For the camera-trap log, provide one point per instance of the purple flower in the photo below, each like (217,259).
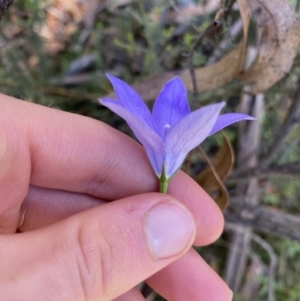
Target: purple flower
(171,131)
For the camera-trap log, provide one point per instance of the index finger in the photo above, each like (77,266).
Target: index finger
(71,152)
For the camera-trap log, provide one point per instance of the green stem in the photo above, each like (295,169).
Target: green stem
(163,186)
(163,181)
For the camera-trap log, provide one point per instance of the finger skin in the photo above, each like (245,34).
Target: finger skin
(209,218)
(43,207)
(190,278)
(15,165)
(86,257)
(72,152)
(54,149)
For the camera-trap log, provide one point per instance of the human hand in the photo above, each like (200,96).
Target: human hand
(55,169)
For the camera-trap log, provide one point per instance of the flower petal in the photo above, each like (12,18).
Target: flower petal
(152,143)
(130,100)
(228,119)
(187,134)
(171,105)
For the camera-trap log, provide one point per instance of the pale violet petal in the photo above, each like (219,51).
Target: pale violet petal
(130,100)
(152,143)
(228,119)
(187,134)
(171,106)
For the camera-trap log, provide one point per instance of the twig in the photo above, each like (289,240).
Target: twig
(211,166)
(273,263)
(234,30)
(211,28)
(218,52)
(249,140)
(297,6)
(289,169)
(52,90)
(263,218)
(4,5)
(228,8)
(256,268)
(292,168)
(283,131)
(222,198)
(220,14)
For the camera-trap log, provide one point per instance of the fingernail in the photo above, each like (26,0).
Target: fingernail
(169,229)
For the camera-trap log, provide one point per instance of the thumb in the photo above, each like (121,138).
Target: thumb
(98,254)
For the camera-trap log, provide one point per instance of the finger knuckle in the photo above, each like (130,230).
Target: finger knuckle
(94,258)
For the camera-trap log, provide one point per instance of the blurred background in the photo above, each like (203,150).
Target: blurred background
(245,52)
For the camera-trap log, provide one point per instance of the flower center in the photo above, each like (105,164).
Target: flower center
(167,127)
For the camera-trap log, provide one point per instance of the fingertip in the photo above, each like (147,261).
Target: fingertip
(190,278)
(214,221)
(208,216)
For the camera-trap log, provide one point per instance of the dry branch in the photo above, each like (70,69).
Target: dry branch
(208,30)
(273,263)
(283,131)
(249,141)
(267,219)
(289,169)
(4,5)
